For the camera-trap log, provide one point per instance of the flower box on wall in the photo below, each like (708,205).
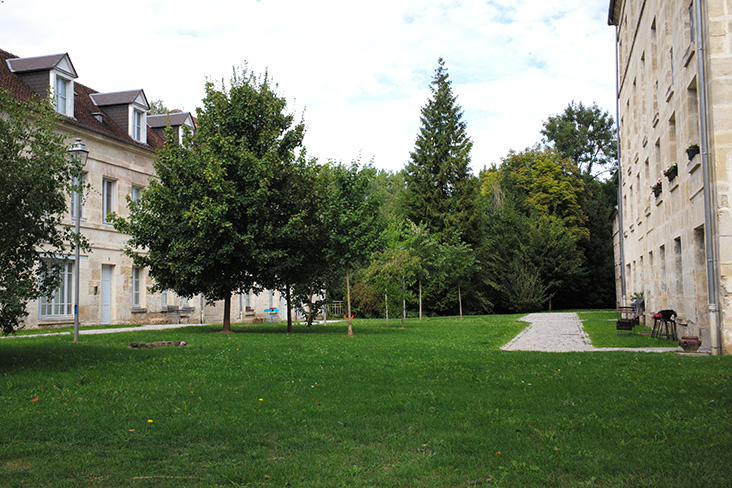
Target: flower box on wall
(671,172)
(692,151)
(657,188)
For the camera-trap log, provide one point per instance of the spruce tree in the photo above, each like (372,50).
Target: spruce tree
(440,189)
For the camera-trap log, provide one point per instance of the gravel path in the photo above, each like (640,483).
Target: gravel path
(563,332)
(105,331)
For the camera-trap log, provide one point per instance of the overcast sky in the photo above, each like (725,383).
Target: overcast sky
(358,71)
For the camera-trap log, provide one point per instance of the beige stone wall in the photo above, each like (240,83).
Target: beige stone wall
(664,236)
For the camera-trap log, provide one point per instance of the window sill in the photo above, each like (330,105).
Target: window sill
(694,163)
(139,310)
(55,321)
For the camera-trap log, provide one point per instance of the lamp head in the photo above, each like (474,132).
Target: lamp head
(79,150)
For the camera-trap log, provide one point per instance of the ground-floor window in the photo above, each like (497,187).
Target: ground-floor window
(60,303)
(136,282)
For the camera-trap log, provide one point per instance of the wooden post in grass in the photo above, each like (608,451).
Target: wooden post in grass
(348,293)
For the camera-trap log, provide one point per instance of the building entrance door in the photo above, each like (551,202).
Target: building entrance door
(106,298)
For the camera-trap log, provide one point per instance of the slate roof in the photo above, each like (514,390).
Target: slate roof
(116,98)
(613,14)
(84,106)
(173,119)
(37,63)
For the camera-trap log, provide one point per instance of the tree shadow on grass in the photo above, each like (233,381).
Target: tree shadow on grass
(60,355)
(281,328)
(57,354)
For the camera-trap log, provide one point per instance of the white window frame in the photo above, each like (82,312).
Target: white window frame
(136,286)
(164,300)
(135,193)
(60,303)
(138,123)
(107,199)
(75,195)
(63,100)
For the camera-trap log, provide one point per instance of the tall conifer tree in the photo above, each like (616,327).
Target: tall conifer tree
(440,189)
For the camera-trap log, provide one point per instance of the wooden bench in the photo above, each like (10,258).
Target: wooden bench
(177,313)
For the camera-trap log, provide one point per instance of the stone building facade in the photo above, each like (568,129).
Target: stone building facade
(122,139)
(674,228)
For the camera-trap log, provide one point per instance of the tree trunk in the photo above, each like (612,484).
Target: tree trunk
(227,314)
(550,304)
(420,299)
(460,302)
(288,297)
(404,311)
(348,296)
(310,314)
(386,304)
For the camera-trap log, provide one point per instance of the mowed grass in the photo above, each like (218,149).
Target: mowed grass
(600,326)
(434,405)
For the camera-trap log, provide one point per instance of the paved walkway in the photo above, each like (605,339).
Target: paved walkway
(106,331)
(121,329)
(562,332)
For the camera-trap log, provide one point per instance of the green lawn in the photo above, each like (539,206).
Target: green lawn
(436,404)
(600,326)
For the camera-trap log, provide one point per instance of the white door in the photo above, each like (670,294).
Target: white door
(283,308)
(106,302)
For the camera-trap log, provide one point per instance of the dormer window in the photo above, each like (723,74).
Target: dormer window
(137,124)
(128,109)
(44,73)
(61,95)
(179,121)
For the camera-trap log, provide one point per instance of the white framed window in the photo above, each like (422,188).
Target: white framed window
(136,286)
(78,195)
(137,125)
(248,300)
(61,93)
(135,193)
(60,302)
(107,199)
(164,299)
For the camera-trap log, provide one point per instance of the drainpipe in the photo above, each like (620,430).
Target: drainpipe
(621,246)
(710,224)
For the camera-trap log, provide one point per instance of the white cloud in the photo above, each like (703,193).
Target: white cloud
(361,70)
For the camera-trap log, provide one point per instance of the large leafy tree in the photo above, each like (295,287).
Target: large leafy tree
(538,225)
(584,134)
(542,182)
(36,176)
(203,226)
(587,135)
(351,214)
(296,233)
(440,188)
